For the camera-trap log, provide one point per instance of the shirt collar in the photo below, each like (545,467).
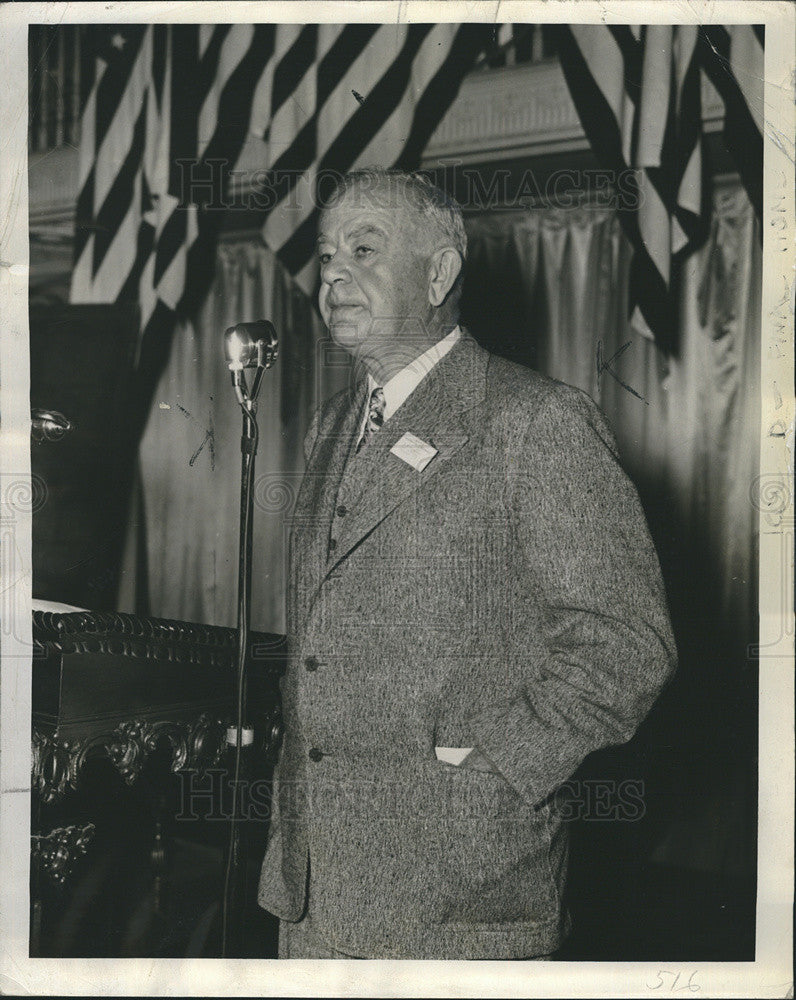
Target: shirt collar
(404,383)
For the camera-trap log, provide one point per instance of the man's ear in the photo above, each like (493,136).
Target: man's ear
(443,270)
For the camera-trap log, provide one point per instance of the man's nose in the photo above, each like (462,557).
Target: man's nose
(335,269)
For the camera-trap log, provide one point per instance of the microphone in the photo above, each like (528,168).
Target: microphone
(250,345)
(246,345)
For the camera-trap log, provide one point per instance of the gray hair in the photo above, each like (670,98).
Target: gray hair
(442,213)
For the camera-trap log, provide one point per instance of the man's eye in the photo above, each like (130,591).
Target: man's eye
(324,258)
(363,251)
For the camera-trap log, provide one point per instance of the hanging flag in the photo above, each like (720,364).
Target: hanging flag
(165,117)
(169,108)
(637,90)
(338,97)
(108,211)
(733,58)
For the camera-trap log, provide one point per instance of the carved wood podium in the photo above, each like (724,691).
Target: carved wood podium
(118,688)
(124,707)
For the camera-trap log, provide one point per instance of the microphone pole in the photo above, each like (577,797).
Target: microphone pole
(246,345)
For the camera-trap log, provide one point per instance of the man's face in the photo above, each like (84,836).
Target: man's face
(374,280)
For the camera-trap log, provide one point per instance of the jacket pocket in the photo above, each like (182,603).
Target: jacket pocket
(492,853)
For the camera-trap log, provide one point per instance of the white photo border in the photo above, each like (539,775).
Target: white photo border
(772,971)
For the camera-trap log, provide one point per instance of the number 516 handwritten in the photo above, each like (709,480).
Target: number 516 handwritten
(672,979)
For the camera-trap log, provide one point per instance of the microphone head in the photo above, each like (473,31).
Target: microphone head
(250,345)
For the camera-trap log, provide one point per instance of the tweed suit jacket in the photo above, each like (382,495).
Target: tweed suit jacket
(508,598)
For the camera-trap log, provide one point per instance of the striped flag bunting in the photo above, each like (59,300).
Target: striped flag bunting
(343,96)
(733,59)
(637,91)
(167,111)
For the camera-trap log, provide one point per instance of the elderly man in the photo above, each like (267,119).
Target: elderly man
(475,605)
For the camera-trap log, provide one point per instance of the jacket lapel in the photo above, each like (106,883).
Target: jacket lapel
(379,481)
(315,503)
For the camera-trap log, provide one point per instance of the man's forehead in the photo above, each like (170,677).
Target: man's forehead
(359,208)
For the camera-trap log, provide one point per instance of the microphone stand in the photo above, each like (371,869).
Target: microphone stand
(243,351)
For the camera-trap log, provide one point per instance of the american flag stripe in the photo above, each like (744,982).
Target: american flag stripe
(603,57)
(156,178)
(120,203)
(160,41)
(211,35)
(230,61)
(391,136)
(211,40)
(653,108)
(747,66)
(382,100)
(688,204)
(341,57)
(84,214)
(595,71)
(298,122)
(225,145)
(293,66)
(347,60)
(653,223)
(223,65)
(118,199)
(111,187)
(347,147)
(113,80)
(637,90)
(183,120)
(263,92)
(111,274)
(171,239)
(320,96)
(440,91)
(629,39)
(232,122)
(84,205)
(586,56)
(113,138)
(650,298)
(309,152)
(742,111)
(144,242)
(171,267)
(182,132)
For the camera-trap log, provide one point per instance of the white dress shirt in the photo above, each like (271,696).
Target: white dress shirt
(398,389)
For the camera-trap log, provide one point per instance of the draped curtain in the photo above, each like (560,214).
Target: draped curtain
(688,423)
(186,518)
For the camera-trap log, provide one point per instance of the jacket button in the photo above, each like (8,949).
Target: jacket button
(311,663)
(342,510)
(332,544)
(315,755)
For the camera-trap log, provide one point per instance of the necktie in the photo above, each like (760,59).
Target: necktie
(375,416)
